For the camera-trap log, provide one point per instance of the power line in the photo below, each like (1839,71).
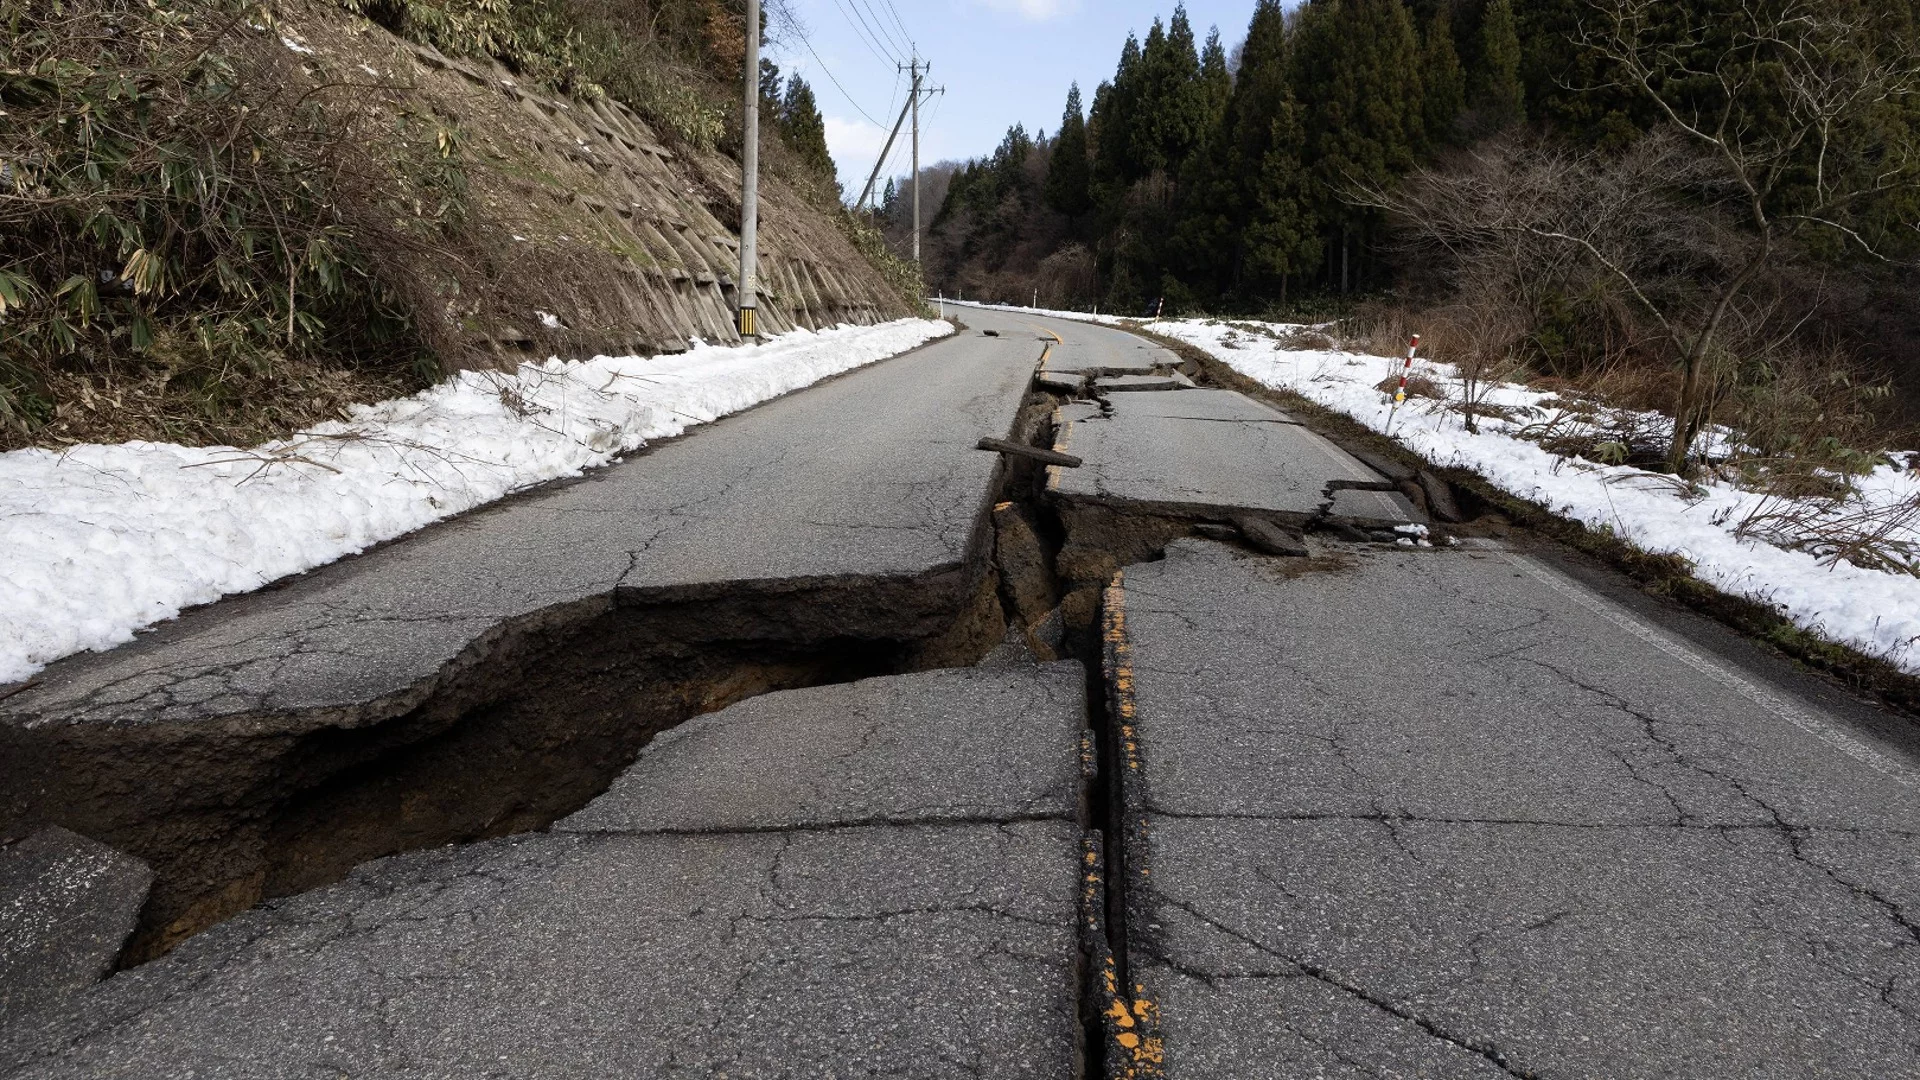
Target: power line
(842,89)
(859,23)
(895,12)
(907,47)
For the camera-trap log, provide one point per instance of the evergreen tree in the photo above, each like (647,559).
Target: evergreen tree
(1114,107)
(1361,121)
(770,90)
(806,132)
(1443,83)
(1216,83)
(1171,117)
(1497,94)
(1283,236)
(1069,171)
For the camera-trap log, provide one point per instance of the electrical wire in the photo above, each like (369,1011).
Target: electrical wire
(905,46)
(843,90)
(866,35)
(895,12)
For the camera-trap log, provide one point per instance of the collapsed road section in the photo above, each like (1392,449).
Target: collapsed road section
(874,879)
(1368,808)
(490,674)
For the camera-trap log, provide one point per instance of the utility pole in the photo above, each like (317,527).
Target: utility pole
(750,180)
(884,151)
(914,101)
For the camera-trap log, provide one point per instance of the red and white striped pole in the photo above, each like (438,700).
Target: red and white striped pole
(1400,394)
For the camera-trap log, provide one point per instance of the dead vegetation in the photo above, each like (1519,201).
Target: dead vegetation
(177,258)
(223,220)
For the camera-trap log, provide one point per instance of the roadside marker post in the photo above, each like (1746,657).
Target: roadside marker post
(1400,393)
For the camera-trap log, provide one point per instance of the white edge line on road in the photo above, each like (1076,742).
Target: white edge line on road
(1773,703)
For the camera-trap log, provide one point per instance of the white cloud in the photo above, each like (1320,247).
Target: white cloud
(1034,10)
(853,141)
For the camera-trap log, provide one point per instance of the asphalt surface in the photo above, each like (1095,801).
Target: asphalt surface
(712,915)
(1197,452)
(874,473)
(1451,814)
(1385,812)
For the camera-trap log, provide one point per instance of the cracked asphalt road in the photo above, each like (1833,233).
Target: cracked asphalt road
(1199,452)
(873,473)
(897,896)
(1385,813)
(1440,814)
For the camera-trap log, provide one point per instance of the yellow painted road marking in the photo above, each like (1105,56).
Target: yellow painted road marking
(1134,1021)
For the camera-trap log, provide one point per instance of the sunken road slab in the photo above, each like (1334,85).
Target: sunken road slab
(709,916)
(1448,814)
(1091,349)
(1208,453)
(966,744)
(1172,381)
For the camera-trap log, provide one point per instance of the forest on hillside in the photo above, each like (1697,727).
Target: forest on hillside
(1702,186)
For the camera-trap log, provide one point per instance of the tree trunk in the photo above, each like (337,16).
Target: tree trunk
(1343,260)
(1684,428)
(1686,417)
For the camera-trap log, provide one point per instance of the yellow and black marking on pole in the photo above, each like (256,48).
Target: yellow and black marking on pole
(1136,1049)
(748,328)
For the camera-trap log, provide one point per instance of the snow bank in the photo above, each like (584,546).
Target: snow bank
(99,541)
(1874,611)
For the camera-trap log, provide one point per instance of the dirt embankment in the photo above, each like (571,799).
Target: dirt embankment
(383,214)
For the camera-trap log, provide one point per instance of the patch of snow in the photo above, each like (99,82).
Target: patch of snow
(99,541)
(549,320)
(295,45)
(370,70)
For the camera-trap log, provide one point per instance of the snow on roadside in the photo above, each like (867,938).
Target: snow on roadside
(99,541)
(1874,611)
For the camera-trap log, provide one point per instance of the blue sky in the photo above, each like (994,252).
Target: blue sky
(1001,61)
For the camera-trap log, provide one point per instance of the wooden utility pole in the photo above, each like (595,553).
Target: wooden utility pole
(750,180)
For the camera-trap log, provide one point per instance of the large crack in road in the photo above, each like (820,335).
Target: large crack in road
(1367,788)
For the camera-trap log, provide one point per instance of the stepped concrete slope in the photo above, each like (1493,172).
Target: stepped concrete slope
(578,207)
(845,518)
(730,908)
(1451,814)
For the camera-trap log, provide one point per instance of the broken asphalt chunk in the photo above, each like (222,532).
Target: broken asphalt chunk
(67,905)
(1270,537)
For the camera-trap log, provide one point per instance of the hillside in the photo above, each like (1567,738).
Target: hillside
(266,212)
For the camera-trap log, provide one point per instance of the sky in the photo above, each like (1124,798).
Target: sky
(1001,61)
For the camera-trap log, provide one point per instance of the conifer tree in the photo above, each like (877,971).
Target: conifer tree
(1443,83)
(1282,237)
(1113,114)
(1069,171)
(1216,83)
(1361,119)
(806,132)
(1497,94)
(1172,106)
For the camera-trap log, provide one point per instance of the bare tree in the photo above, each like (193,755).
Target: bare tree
(1791,108)
(1781,133)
